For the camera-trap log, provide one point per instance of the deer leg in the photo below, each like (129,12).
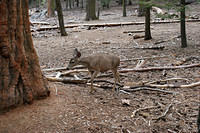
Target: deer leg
(116,76)
(93,75)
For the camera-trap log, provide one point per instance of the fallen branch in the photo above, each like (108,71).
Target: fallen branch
(54,69)
(155,47)
(73,71)
(174,86)
(76,81)
(166,80)
(133,89)
(158,68)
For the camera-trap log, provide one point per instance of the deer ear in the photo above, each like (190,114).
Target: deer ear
(76,53)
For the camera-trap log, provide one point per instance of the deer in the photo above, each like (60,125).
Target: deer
(95,64)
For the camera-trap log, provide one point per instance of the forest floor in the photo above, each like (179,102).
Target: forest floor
(72,109)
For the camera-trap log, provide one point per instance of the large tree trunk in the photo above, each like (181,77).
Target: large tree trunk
(183,30)
(21,79)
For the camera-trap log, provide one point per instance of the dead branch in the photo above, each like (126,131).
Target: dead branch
(174,86)
(158,68)
(165,113)
(76,81)
(166,80)
(140,109)
(67,80)
(135,31)
(73,71)
(39,23)
(143,58)
(150,46)
(113,24)
(54,69)
(133,89)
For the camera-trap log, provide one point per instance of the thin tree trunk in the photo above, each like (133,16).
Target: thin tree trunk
(60,18)
(21,79)
(147,24)
(183,29)
(82,4)
(124,7)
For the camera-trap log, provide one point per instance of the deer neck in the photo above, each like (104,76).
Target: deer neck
(84,61)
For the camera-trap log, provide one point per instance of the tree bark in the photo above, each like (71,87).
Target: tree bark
(60,18)
(183,30)
(21,79)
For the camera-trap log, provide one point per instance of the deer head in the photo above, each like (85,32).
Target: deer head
(75,59)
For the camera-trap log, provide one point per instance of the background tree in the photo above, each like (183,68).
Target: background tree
(91,10)
(183,29)
(21,79)
(60,18)
(147,35)
(124,7)
(51,8)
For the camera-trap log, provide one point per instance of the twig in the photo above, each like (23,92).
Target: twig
(56,89)
(140,63)
(140,109)
(58,74)
(165,113)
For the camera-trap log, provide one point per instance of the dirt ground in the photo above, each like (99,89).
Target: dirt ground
(72,109)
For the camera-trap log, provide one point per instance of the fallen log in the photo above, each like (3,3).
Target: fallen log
(113,24)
